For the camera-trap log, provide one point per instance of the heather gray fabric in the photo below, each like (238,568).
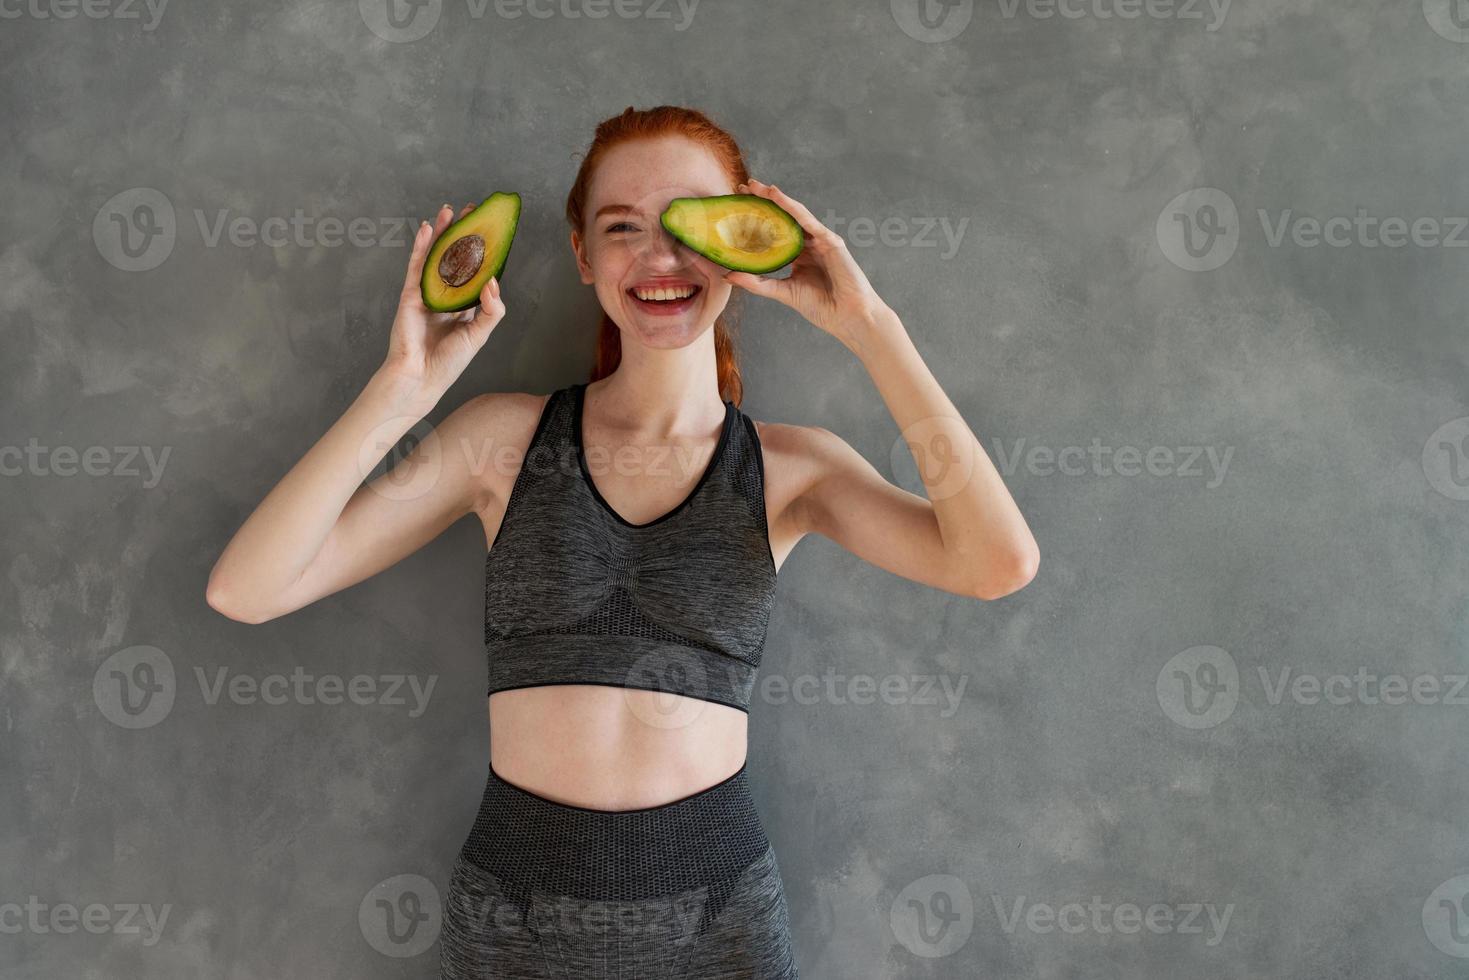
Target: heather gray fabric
(547,891)
(575,594)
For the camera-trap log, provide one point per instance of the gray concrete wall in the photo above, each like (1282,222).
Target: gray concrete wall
(1242,449)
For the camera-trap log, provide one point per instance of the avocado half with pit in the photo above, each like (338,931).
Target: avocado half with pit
(742,232)
(469,253)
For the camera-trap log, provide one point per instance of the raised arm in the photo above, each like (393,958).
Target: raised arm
(321,529)
(969,536)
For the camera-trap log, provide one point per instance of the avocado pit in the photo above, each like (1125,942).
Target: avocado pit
(462,260)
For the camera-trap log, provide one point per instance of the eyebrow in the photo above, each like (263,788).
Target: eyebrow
(612,209)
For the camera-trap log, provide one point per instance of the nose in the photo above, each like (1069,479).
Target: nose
(662,252)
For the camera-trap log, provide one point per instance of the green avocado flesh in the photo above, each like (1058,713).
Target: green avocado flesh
(468,253)
(742,232)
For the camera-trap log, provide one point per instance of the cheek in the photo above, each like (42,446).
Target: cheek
(714,276)
(711,272)
(608,260)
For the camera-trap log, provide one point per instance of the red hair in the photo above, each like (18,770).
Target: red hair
(634,124)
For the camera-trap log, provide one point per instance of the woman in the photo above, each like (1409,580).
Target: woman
(626,605)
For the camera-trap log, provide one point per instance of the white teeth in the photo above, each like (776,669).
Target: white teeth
(664,294)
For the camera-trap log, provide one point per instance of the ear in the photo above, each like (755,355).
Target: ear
(579,249)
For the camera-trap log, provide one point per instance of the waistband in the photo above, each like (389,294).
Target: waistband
(533,844)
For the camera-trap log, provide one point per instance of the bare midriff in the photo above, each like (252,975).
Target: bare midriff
(612,748)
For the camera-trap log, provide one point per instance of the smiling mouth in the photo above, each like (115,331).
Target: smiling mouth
(663,294)
(671,300)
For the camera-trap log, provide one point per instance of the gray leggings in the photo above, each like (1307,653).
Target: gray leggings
(547,891)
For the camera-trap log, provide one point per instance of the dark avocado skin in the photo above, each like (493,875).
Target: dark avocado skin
(674,221)
(494,220)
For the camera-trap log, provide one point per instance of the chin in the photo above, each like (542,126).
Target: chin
(666,333)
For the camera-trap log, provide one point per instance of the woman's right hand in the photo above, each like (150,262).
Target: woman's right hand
(427,351)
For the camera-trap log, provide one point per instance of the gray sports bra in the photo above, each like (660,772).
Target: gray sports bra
(575,594)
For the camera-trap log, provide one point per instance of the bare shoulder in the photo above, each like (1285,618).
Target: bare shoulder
(490,434)
(805,453)
(502,413)
(797,458)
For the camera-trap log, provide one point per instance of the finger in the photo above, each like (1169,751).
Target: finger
(464,211)
(421,240)
(443,219)
(489,296)
(490,312)
(817,233)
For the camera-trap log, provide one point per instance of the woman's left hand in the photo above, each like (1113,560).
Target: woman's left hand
(825,286)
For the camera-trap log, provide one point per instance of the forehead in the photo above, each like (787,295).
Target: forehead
(648,173)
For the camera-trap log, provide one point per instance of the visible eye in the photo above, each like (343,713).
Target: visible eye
(620,226)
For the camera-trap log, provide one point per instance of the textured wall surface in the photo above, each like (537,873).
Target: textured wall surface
(1220,735)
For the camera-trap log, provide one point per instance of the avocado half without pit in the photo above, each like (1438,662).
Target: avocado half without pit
(742,232)
(468,253)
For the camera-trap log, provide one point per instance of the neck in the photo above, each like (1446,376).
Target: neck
(662,392)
